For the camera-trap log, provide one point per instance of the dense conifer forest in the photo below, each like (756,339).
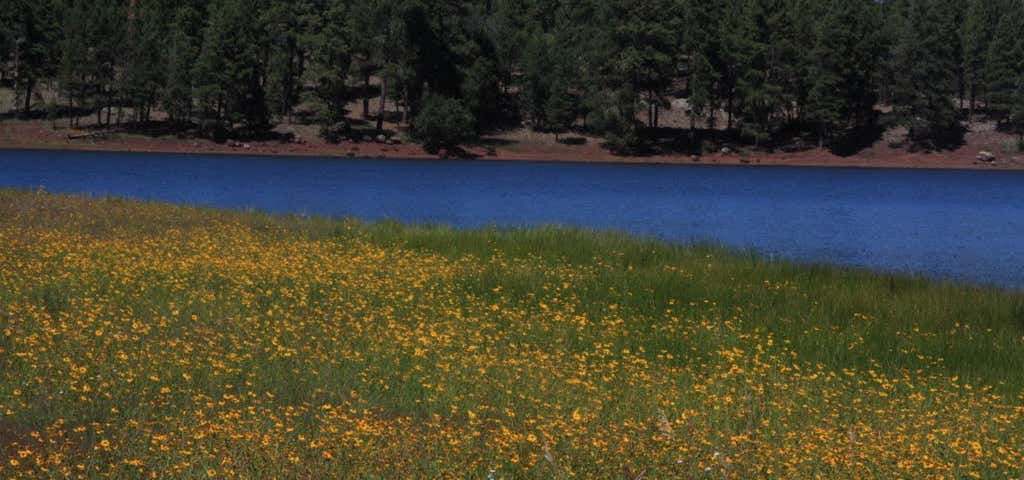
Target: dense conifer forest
(764,71)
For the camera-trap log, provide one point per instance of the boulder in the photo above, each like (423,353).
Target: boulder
(726,151)
(382,139)
(987,157)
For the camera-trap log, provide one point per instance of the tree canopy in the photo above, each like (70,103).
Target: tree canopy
(817,68)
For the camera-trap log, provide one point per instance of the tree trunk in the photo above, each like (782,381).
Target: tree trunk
(728,106)
(366,96)
(29,87)
(657,114)
(405,109)
(380,109)
(961,86)
(973,94)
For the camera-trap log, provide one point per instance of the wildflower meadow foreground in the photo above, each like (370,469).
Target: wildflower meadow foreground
(142,340)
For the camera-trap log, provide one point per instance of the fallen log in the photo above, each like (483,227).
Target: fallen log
(89,135)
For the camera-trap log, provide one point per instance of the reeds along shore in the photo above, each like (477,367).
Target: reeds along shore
(142,340)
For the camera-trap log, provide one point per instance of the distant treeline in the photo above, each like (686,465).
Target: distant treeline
(759,67)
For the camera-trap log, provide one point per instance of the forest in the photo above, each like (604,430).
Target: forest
(765,71)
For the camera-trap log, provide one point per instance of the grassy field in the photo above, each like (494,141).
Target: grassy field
(141,340)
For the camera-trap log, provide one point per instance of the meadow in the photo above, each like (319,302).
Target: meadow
(144,340)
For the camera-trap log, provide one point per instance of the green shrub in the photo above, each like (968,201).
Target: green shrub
(444,123)
(628,142)
(336,132)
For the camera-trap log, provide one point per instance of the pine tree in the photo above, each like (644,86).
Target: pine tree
(977,31)
(560,107)
(366,41)
(1016,117)
(953,14)
(182,52)
(1005,60)
(481,89)
(535,81)
(845,56)
(330,60)
(145,72)
(286,23)
(762,58)
(208,72)
(103,32)
(644,58)
(794,42)
(924,77)
(702,48)
(32,41)
(76,63)
(230,71)
(6,41)
(732,33)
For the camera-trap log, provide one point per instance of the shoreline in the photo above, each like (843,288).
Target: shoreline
(716,160)
(875,158)
(713,160)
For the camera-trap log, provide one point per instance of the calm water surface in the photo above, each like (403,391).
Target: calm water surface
(962,225)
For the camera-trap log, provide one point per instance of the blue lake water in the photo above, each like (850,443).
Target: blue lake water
(961,225)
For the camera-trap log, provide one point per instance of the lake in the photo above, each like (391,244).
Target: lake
(962,225)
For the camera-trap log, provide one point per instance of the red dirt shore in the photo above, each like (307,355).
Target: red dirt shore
(38,135)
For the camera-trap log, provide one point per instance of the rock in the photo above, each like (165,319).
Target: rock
(246,146)
(726,151)
(491,152)
(987,157)
(895,139)
(382,139)
(443,153)
(695,158)
(195,144)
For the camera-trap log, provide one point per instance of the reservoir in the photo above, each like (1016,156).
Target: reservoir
(966,226)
